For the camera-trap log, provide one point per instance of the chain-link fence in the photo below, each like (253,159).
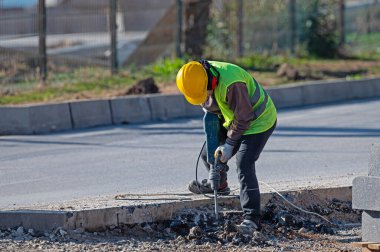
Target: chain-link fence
(62,35)
(17,60)
(54,36)
(243,27)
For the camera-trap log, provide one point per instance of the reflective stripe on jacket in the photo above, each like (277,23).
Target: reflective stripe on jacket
(263,107)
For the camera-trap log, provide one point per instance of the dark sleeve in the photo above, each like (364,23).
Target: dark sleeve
(239,102)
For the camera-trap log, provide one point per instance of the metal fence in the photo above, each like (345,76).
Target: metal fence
(58,36)
(62,35)
(243,27)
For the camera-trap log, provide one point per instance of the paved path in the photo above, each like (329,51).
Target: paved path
(88,45)
(311,146)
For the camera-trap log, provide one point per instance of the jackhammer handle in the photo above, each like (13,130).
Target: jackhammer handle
(218,154)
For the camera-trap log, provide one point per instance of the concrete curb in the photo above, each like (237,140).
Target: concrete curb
(36,119)
(100,219)
(366,195)
(135,109)
(85,114)
(47,118)
(324,92)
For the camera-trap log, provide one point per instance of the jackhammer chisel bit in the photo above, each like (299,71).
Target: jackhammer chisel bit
(214,178)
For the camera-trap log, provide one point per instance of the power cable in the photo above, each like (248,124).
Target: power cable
(211,196)
(196,172)
(293,205)
(277,192)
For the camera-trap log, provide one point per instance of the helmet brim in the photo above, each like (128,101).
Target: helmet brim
(197,100)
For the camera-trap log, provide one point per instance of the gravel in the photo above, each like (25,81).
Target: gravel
(283,229)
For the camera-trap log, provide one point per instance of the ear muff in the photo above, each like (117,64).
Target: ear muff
(212,79)
(214,82)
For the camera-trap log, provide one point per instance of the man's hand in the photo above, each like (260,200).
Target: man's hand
(226,150)
(214,178)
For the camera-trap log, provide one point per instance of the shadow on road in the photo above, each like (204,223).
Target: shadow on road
(328,132)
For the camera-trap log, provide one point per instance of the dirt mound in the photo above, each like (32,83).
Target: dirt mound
(146,86)
(288,71)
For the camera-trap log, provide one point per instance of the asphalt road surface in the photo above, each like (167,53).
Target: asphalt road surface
(310,146)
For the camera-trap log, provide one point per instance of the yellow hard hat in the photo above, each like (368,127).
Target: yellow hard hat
(192,82)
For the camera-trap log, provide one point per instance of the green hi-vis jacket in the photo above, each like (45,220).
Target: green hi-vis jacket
(263,107)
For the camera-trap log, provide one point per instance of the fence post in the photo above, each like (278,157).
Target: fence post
(240,32)
(42,57)
(179,29)
(342,35)
(371,14)
(113,30)
(293,26)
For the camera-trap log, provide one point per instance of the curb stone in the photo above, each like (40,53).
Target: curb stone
(366,195)
(85,114)
(133,109)
(43,118)
(46,118)
(101,218)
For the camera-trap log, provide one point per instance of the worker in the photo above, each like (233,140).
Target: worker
(248,117)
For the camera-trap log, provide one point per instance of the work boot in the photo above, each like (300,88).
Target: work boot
(205,187)
(247,227)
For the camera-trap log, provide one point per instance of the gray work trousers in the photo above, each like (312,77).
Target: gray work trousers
(247,152)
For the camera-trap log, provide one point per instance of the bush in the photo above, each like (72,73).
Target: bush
(166,68)
(260,62)
(322,39)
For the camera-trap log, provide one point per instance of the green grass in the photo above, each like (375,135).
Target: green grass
(364,46)
(166,70)
(91,80)
(50,93)
(364,40)
(261,62)
(267,63)
(95,82)
(31,96)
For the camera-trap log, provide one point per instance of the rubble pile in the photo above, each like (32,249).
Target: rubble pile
(283,228)
(279,221)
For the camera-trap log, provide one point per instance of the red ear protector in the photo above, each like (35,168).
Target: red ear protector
(214,82)
(212,79)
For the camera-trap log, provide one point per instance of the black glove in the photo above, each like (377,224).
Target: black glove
(214,178)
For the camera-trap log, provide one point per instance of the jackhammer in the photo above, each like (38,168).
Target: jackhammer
(214,179)
(212,128)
